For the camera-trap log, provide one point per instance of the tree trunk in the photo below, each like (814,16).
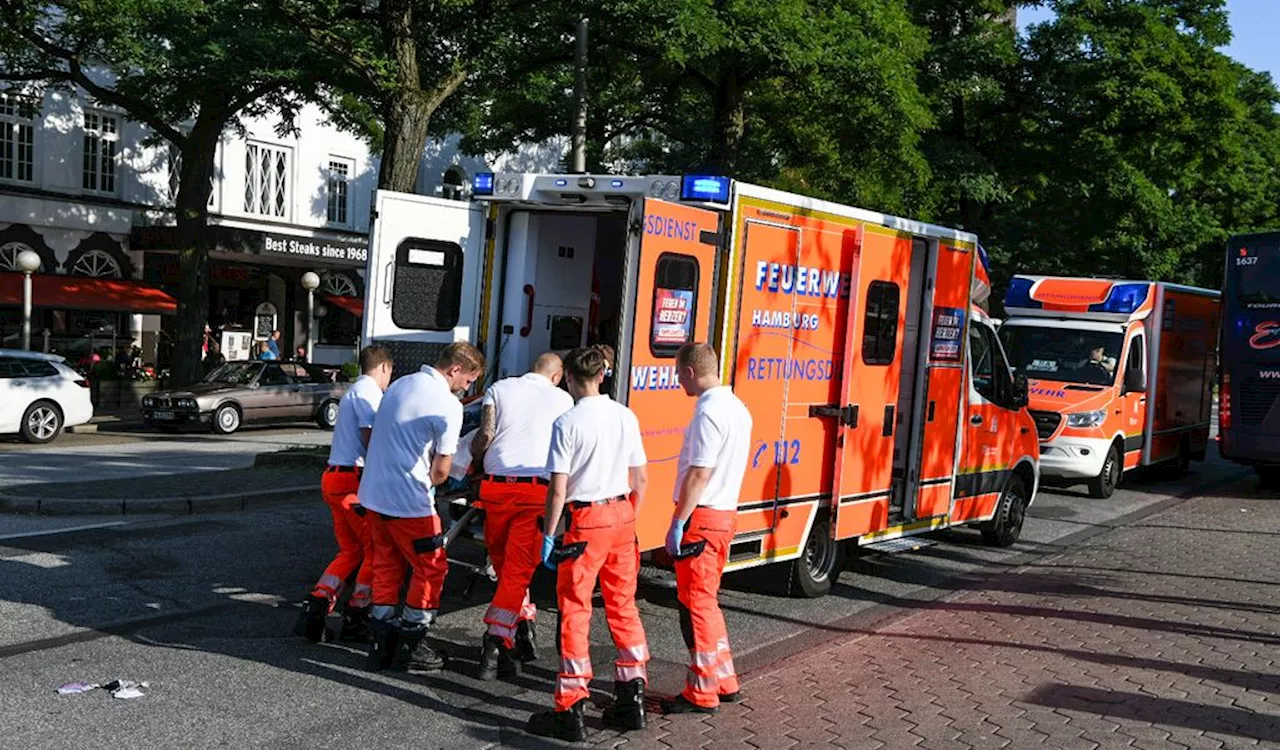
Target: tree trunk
(406,117)
(730,124)
(192,206)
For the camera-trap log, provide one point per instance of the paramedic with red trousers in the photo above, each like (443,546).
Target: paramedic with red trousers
(512,444)
(414,438)
(713,460)
(338,487)
(597,467)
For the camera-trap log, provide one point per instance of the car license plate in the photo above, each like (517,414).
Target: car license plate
(163,415)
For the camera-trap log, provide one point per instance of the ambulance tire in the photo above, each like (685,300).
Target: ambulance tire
(814,572)
(1005,528)
(1104,485)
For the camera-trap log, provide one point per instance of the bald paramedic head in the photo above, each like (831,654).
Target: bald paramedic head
(550,366)
(698,366)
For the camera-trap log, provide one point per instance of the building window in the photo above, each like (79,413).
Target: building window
(339,285)
(266,180)
(97,264)
(9,257)
(174,162)
(17,137)
(101,140)
(339,191)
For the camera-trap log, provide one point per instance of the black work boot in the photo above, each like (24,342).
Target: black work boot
(384,634)
(413,654)
(526,642)
(311,618)
(563,725)
(495,659)
(627,711)
(355,624)
(682,705)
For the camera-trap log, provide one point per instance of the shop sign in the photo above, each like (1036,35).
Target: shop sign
(313,247)
(264,321)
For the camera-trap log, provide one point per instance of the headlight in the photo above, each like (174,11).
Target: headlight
(186,403)
(148,401)
(1086,418)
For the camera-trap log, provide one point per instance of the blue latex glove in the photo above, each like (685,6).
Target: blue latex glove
(674,535)
(548,544)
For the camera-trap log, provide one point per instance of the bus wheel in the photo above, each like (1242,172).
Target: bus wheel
(814,571)
(1104,485)
(1005,528)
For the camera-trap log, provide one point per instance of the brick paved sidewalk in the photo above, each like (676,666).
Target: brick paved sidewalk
(1161,634)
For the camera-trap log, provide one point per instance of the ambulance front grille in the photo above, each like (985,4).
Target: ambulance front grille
(1255,397)
(1046,422)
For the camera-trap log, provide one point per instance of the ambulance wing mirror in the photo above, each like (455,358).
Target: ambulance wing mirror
(1135,380)
(1020,394)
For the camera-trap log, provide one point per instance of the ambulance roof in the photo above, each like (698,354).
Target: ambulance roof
(1084,298)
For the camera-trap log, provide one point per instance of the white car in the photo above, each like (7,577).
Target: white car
(40,395)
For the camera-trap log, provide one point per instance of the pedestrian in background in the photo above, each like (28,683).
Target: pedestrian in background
(415,435)
(511,447)
(338,487)
(264,351)
(713,460)
(598,478)
(273,343)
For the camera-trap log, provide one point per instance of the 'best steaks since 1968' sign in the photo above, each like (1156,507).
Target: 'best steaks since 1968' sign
(313,247)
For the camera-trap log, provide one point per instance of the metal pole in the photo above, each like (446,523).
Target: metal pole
(580,108)
(26,312)
(311,323)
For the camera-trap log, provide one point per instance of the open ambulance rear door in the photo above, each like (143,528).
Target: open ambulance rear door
(423,279)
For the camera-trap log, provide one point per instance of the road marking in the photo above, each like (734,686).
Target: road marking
(63,530)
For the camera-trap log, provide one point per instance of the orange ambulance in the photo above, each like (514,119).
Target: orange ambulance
(1120,373)
(882,401)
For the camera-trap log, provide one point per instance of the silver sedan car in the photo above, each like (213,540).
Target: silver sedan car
(238,393)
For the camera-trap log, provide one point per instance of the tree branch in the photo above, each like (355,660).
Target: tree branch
(337,46)
(445,88)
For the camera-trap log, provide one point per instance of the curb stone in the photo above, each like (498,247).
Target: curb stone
(185,504)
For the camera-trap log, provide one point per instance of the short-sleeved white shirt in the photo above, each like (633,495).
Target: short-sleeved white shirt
(596,443)
(355,413)
(717,438)
(526,407)
(419,419)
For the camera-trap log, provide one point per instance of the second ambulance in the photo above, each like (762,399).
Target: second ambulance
(1120,373)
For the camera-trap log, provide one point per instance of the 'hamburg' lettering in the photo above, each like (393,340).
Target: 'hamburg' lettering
(783,319)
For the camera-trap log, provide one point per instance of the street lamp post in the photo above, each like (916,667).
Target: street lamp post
(311,282)
(28,263)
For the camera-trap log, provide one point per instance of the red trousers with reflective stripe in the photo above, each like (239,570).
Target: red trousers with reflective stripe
(352,533)
(612,554)
(711,672)
(414,542)
(512,535)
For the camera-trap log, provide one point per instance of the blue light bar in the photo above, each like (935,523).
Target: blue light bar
(698,187)
(1019,294)
(982,255)
(482,183)
(1123,299)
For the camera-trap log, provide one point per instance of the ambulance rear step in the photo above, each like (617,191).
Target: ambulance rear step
(901,544)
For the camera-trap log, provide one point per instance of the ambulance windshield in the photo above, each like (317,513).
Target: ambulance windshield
(1067,355)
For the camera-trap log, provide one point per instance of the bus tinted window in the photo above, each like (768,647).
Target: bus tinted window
(1253,276)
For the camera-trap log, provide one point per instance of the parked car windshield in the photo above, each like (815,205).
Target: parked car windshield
(235,373)
(1066,355)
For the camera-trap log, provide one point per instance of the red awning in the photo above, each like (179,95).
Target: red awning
(353,305)
(81,293)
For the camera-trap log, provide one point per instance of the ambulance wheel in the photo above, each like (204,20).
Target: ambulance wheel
(1104,485)
(226,419)
(1005,528)
(813,573)
(327,417)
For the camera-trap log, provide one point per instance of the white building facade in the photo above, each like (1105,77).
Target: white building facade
(82,187)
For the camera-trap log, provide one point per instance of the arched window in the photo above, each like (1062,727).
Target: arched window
(9,256)
(339,285)
(97,264)
(454,184)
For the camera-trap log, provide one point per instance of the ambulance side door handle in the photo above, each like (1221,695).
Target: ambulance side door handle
(848,414)
(528,315)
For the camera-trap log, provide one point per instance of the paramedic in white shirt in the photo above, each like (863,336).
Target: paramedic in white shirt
(512,444)
(712,463)
(598,477)
(414,438)
(338,487)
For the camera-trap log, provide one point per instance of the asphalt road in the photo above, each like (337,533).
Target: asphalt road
(201,608)
(135,452)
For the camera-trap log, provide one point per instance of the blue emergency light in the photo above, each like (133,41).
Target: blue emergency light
(615,183)
(562,182)
(1123,299)
(698,187)
(1019,294)
(482,183)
